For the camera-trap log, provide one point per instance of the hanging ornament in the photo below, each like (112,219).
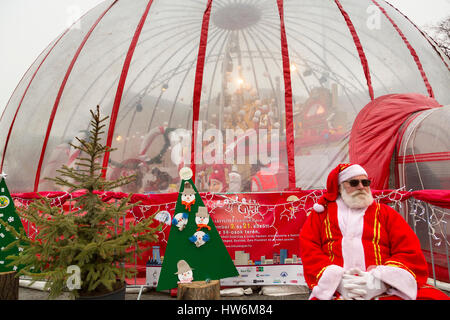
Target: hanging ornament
(186,173)
(163,216)
(188,197)
(199,238)
(184,272)
(202,218)
(180,220)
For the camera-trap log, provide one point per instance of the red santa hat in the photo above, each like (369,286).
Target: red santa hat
(218,173)
(341,173)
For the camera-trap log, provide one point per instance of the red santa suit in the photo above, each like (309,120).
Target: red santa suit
(375,238)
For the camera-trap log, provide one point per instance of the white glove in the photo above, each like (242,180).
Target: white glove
(351,285)
(365,287)
(374,286)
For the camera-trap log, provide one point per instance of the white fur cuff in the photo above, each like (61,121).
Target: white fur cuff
(328,283)
(402,282)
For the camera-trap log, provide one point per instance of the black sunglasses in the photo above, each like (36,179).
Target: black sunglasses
(355,182)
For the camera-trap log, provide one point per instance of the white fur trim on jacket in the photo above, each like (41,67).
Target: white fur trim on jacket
(328,283)
(350,172)
(402,282)
(318,208)
(351,225)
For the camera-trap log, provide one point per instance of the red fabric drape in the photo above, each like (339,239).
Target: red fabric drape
(439,198)
(286,216)
(375,132)
(198,82)
(287,99)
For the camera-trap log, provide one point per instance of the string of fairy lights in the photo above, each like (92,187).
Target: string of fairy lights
(419,212)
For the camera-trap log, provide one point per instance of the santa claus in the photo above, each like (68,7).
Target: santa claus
(353,247)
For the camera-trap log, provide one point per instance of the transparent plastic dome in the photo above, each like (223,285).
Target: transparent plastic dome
(423,157)
(141,60)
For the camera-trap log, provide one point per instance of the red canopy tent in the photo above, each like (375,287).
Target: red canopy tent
(376,131)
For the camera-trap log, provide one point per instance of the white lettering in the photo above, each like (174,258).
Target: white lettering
(74,281)
(374,20)
(205,311)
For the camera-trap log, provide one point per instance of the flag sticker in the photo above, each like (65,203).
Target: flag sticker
(4,202)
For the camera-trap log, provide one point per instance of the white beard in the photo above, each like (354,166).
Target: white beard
(356,200)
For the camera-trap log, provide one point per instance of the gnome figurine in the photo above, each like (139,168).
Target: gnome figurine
(184,272)
(188,197)
(202,218)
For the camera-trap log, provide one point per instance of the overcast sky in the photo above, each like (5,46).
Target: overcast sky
(28,26)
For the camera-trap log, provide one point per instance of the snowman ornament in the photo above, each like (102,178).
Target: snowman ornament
(188,197)
(202,218)
(199,238)
(184,272)
(180,220)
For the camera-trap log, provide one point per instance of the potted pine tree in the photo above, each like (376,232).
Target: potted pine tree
(83,250)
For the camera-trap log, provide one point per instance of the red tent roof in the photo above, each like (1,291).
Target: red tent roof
(375,132)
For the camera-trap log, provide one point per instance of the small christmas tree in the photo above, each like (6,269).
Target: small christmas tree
(89,238)
(195,251)
(11,222)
